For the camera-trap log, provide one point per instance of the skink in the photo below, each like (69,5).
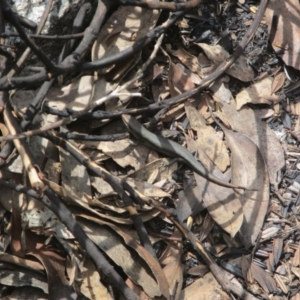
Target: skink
(172,149)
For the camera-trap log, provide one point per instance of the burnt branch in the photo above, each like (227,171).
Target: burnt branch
(50,200)
(169,6)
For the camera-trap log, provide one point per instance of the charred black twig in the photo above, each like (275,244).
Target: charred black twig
(27,51)
(35,105)
(169,6)
(25,22)
(76,28)
(11,17)
(46,37)
(62,212)
(140,44)
(71,62)
(88,137)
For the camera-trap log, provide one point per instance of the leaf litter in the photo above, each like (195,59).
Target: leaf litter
(168,232)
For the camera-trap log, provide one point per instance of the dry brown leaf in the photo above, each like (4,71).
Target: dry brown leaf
(257,93)
(25,263)
(189,60)
(250,171)
(76,96)
(278,82)
(173,113)
(174,275)
(160,166)
(91,285)
(265,280)
(123,152)
(248,122)
(141,271)
(281,284)
(189,201)
(107,197)
(296,258)
(160,89)
(220,92)
(208,139)
(240,69)
(147,189)
(199,270)
(18,278)
(125,27)
(178,79)
(203,289)
(138,290)
(54,264)
(172,252)
(245,266)
(275,254)
(74,176)
(295,108)
(284,30)
(296,271)
(222,203)
(81,207)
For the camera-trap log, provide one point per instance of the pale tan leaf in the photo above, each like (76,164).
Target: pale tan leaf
(123,152)
(174,275)
(250,171)
(160,166)
(199,270)
(284,32)
(137,289)
(25,263)
(281,284)
(265,280)
(189,201)
(257,93)
(240,69)
(172,253)
(248,122)
(220,92)
(29,278)
(102,88)
(203,289)
(80,206)
(189,60)
(296,271)
(103,188)
(278,82)
(222,203)
(140,271)
(295,108)
(178,79)
(147,189)
(91,285)
(208,139)
(125,27)
(76,96)
(75,178)
(296,258)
